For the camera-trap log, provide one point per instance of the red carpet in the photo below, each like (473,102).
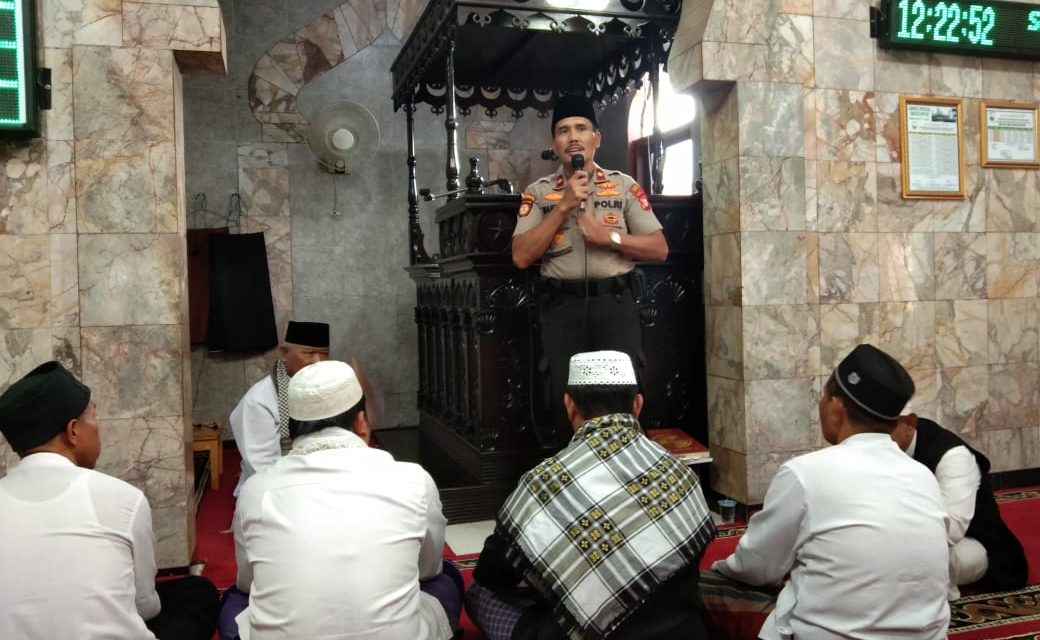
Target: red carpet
(1008,616)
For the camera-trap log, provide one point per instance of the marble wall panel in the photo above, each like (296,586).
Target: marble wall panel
(516,165)
(129,279)
(960,266)
(722,279)
(726,428)
(849,267)
(908,333)
(22,350)
(962,215)
(134,371)
(263,179)
(970,131)
(963,398)
(842,327)
(89,22)
(894,213)
(63,307)
(900,72)
(854,68)
(729,473)
(284,132)
(848,9)
(1011,265)
(23,189)
(761,467)
(722,196)
(723,341)
(347,44)
(720,129)
(770,119)
(173,527)
(57,121)
(1013,396)
(1010,199)
(126,186)
(281,66)
(962,333)
(123,94)
(271,104)
(775,267)
(278,239)
(772,194)
(366,19)
(801,7)
(809,113)
(1013,331)
(789,55)
(1008,79)
(729,61)
(951,75)
(405,17)
(781,341)
(845,125)
(886,121)
(26,266)
(319,46)
(172,26)
(782,415)
(907,265)
(741,21)
(926,391)
(61,189)
(846,196)
(147,453)
(1004,448)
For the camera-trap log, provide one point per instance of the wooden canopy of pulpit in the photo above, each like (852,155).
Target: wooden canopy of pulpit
(481,394)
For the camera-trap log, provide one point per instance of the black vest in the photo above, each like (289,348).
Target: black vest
(1007,561)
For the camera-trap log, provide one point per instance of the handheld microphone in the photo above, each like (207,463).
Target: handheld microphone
(578,163)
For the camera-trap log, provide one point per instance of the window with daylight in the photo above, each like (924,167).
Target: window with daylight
(676,113)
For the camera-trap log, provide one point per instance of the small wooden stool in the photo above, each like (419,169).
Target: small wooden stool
(206,438)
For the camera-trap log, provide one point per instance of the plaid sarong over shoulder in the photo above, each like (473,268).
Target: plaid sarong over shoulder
(601,525)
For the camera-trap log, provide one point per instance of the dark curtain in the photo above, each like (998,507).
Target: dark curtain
(241,316)
(198,281)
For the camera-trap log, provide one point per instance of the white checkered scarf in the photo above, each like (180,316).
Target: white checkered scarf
(599,527)
(281,385)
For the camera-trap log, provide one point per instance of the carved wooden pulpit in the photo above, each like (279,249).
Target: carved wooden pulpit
(482,398)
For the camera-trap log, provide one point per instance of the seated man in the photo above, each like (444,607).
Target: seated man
(333,540)
(607,534)
(76,546)
(859,527)
(983,550)
(259,422)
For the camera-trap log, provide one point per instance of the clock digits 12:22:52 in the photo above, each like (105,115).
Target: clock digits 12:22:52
(993,27)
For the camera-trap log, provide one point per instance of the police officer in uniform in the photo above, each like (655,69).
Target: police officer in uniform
(589,226)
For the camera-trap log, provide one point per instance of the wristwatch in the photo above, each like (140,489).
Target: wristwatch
(615,239)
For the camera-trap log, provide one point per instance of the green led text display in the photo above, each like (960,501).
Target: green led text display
(1009,29)
(13,85)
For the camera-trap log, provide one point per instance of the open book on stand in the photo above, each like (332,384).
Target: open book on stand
(679,443)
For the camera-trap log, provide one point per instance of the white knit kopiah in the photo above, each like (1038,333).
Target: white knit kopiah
(608,368)
(322,390)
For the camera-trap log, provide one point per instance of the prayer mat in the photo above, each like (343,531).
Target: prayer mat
(993,615)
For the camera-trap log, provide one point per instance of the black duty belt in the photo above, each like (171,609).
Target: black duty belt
(577,287)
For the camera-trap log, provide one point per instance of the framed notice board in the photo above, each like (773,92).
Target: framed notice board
(1009,134)
(932,147)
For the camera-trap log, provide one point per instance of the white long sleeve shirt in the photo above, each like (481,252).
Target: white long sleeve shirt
(254,423)
(959,477)
(77,554)
(332,545)
(861,529)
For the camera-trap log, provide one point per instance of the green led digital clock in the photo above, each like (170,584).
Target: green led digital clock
(1007,29)
(19,110)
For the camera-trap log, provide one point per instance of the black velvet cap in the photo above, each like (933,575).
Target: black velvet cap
(572,105)
(875,381)
(40,405)
(308,334)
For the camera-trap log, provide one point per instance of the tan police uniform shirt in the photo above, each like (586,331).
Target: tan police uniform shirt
(616,200)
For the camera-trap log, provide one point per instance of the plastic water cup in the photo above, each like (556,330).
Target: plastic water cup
(728,510)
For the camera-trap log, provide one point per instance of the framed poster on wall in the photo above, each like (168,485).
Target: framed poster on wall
(932,147)
(1009,134)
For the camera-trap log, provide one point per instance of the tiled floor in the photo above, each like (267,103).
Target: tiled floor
(468,537)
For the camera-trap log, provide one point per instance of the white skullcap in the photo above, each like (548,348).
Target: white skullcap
(609,368)
(323,390)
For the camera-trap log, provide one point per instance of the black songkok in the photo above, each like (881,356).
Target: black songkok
(40,405)
(875,382)
(308,334)
(572,105)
